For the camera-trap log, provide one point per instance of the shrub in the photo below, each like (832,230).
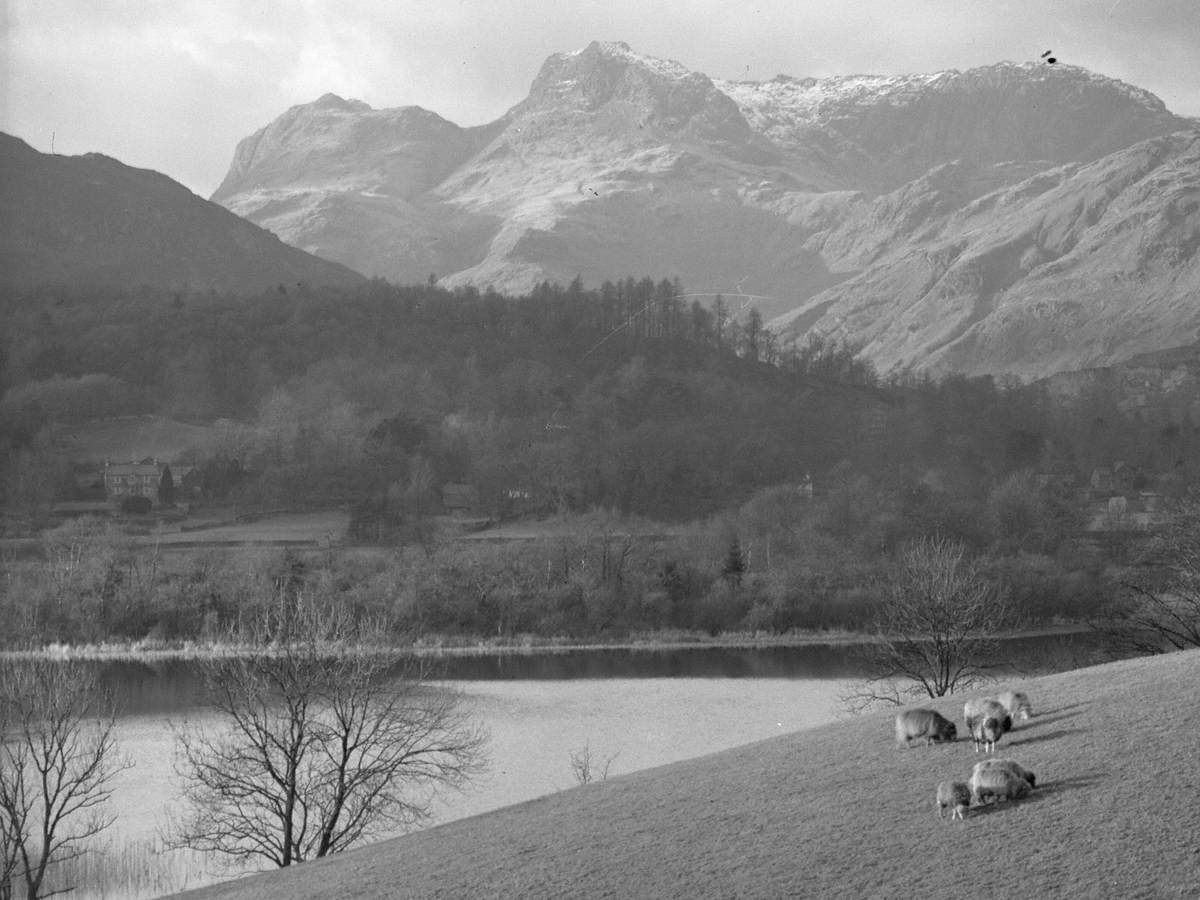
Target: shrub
(136,506)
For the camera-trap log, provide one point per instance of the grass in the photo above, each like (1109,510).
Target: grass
(840,811)
(313,528)
(127,870)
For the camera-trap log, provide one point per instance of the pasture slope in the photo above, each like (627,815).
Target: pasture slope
(841,812)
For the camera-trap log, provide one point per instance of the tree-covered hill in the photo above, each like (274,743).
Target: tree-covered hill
(634,396)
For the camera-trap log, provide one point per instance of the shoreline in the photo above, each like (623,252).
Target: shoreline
(519,646)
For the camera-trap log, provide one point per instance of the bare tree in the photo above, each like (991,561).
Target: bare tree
(58,756)
(323,745)
(936,628)
(1160,608)
(10,857)
(586,766)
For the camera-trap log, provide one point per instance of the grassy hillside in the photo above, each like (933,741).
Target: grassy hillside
(840,811)
(134,438)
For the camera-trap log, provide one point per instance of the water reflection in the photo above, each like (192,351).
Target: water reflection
(811,661)
(172,685)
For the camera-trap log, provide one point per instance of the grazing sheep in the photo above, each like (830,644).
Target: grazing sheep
(1008,765)
(977,710)
(913,724)
(953,794)
(990,783)
(1017,704)
(985,732)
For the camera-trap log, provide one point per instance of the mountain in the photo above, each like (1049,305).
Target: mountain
(786,192)
(93,220)
(882,131)
(1075,267)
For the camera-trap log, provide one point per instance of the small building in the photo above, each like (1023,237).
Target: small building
(132,479)
(513,502)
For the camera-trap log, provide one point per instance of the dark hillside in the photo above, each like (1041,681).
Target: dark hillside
(91,220)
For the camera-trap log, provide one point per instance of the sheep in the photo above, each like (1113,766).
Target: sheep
(1017,704)
(989,783)
(985,732)
(953,794)
(924,723)
(1007,765)
(980,709)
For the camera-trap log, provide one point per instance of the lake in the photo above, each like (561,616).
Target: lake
(631,709)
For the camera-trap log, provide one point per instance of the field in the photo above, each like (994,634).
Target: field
(543,529)
(841,811)
(283,529)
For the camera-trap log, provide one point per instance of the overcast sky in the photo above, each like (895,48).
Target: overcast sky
(173,85)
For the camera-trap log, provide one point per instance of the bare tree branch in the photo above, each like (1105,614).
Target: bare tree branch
(1159,610)
(58,756)
(937,630)
(324,744)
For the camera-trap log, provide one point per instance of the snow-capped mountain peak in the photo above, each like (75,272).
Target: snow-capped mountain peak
(618,162)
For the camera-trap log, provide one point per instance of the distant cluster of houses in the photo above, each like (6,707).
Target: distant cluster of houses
(1123,497)
(109,484)
(1119,496)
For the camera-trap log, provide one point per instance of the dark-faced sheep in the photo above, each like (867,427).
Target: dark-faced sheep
(914,724)
(985,732)
(1017,704)
(990,783)
(954,795)
(1008,765)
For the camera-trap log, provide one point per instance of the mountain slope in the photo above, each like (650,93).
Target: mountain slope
(349,183)
(93,220)
(1074,267)
(619,163)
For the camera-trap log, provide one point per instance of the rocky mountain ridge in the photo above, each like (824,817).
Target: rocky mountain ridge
(816,196)
(1053,273)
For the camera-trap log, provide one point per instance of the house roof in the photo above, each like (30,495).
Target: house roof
(131,469)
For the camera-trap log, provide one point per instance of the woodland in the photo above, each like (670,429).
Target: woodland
(690,473)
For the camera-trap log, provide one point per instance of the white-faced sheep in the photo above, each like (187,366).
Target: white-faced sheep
(990,783)
(914,724)
(1007,765)
(1017,705)
(954,795)
(985,732)
(975,711)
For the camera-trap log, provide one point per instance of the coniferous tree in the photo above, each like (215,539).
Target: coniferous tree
(166,487)
(735,564)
